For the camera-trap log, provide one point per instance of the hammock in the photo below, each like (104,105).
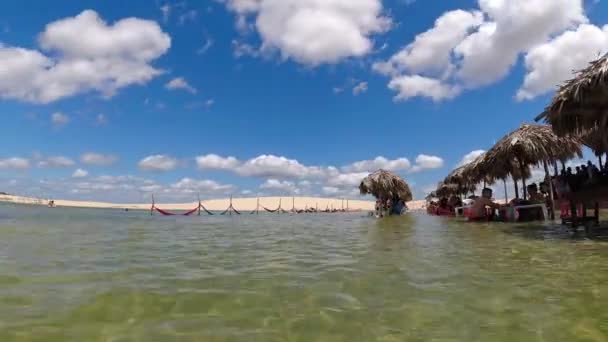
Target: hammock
(227,210)
(271,211)
(168,213)
(205,209)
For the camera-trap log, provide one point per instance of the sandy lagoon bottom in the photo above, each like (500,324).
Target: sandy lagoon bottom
(103,275)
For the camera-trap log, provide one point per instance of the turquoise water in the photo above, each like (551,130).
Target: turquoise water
(95,275)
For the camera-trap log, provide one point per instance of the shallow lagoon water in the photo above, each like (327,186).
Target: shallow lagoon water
(103,275)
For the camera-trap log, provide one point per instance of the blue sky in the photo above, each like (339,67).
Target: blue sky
(274,97)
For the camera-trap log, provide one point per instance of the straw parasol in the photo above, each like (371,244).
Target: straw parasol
(581,103)
(447,189)
(530,145)
(385,185)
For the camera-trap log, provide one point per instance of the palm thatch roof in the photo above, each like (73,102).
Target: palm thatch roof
(581,103)
(385,185)
(448,189)
(595,140)
(529,145)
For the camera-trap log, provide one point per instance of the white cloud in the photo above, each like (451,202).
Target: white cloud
(215,162)
(80,173)
(346,180)
(399,164)
(314,32)
(280,186)
(416,85)
(166,12)
(470,157)
(101,120)
(469,49)
(432,50)
(241,49)
(208,44)
(270,166)
(330,190)
(189,185)
(360,88)
(426,162)
(550,64)
(158,163)
(83,54)
(56,162)
(14,163)
(98,159)
(180,83)
(513,27)
(59,119)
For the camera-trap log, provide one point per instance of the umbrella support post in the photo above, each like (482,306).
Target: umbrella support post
(504,182)
(550,185)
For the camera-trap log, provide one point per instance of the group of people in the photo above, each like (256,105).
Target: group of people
(395,206)
(583,176)
(483,208)
(445,206)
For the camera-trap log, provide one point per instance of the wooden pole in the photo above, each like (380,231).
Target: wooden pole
(550,185)
(152,207)
(555,170)
(199,204)
(504,182)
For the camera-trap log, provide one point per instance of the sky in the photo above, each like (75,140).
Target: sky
(114,101)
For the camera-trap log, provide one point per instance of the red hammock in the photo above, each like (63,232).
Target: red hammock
(167,213)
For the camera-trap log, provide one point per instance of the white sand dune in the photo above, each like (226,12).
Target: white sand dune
(245,204)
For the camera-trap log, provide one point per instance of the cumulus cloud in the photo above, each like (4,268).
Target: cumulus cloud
(399,164)
(432,50)
(180,83)
(360,88)
(158,163)
(426,162)
(15,163)
(80,173)
(56,162)
(553,62)
(82,54)
(98,159)
(470,157)
(314,32)
(189,185)
(59,119)
(469,49)
(270,166)
(280,186)
(215,162)
(419,86)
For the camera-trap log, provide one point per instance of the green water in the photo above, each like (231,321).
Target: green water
(94,275)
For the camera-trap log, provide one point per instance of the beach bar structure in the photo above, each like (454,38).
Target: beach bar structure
(580,108)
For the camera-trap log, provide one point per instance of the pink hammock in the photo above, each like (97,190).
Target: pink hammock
(168,213)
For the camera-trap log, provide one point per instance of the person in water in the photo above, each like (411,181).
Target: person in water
(535,196)
(478,209)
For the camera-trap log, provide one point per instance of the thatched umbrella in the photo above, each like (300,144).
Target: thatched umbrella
(530,145)
(595,141)
(385,185)
(581,103)
(448,189)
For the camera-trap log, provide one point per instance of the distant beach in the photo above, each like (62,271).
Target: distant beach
(246,204)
